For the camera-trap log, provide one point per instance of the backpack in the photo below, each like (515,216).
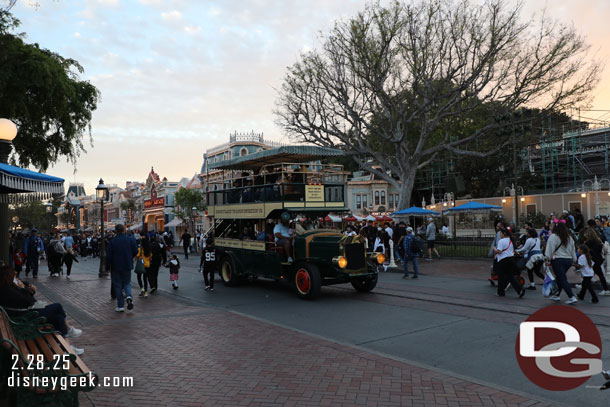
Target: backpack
(416,245)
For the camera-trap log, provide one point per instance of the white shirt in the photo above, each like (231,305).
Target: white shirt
(379,243)
(352,233)
(585,271)
(507,248)
(282,230)
(445,230)
(532,243)
(389,231)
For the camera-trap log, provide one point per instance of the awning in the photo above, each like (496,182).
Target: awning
(21,185)
(473,207)
(174,222)
(276,156)
(135,227)
(333,218)
(415,211)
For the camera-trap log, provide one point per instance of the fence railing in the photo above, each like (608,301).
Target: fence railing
(464,247)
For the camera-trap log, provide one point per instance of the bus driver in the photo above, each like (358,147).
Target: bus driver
(281,232)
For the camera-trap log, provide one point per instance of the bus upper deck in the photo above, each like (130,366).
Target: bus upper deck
(289,177)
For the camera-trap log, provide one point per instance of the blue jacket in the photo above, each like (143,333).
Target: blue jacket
(38,243)
(120,253)
(407,242)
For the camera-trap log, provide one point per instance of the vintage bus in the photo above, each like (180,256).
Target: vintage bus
(248,195)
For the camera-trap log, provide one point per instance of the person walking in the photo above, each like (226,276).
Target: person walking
(596,249)
(56,254)
(69,257)
(157,249)
(209,257)
(431,238)
(33,248)
(186,243)
(119,261)
(411,251)
(174,266)
(145,256)
(585,266)
(532,253)
(505,255)
(561,254)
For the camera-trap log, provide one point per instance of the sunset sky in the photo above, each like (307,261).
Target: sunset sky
(177,76)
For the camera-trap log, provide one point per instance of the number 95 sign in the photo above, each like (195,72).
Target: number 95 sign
(559,348)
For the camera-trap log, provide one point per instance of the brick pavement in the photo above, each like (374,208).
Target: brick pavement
(183,354)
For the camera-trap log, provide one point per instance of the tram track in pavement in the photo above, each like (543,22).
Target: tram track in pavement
(517,312)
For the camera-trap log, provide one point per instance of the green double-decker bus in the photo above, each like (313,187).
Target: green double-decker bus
(247,196)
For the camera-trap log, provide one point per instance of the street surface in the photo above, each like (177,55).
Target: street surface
(444,339)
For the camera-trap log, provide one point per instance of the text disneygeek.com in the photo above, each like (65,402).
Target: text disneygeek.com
(63,383)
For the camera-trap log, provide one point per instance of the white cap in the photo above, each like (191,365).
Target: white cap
(430,220)
(409,229)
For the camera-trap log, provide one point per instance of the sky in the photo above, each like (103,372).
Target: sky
(178,76)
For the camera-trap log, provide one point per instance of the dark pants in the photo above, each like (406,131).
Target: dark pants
(143,280)
(536,269)
(186,251)
(587,285)
(560,269)
(32,264)
(506,274)
(597,269)
(153,275)
(55,315)
(208,276)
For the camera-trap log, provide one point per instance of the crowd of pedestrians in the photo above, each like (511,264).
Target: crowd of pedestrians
(564,243)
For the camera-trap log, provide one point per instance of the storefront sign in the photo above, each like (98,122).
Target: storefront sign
(154,203)
(314,193)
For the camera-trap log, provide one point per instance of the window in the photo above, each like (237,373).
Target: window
(391,201)
(243,152)
(364,201)
(358,201)
(376,197)
(530,209)
(383,197)
(396,200)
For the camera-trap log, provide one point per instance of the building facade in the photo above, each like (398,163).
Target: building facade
(157,202)
(367,193)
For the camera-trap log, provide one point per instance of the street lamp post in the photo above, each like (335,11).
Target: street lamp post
(193,210)
(101,194)
(8,131)
(49,207)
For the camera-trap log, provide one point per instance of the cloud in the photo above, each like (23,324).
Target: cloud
(108,2)
(171,16)
(76,34)
(192,30)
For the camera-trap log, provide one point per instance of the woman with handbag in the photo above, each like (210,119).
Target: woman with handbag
(561,254)
(142,269)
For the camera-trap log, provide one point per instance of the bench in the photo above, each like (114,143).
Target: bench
(31,349)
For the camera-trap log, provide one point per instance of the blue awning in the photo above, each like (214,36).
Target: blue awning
(27,185)
(415,211)
(473,207)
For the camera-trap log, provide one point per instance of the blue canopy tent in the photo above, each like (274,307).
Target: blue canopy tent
(472,207)
(415,211)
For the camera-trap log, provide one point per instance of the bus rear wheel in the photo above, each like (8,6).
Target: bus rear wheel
(307,281)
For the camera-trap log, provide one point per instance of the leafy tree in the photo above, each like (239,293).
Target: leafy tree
(42,93)
(185,200)
(401,85)
(34,214)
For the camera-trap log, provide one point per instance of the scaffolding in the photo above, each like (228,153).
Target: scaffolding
(566,160)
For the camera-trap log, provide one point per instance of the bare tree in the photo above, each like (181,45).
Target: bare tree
(391,85)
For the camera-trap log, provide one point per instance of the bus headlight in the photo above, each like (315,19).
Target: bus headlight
(378,257)
(340,261)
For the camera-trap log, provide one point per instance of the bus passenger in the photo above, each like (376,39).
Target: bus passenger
(281,233)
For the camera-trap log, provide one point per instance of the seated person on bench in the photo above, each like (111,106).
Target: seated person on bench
(17,298)
(281,232)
